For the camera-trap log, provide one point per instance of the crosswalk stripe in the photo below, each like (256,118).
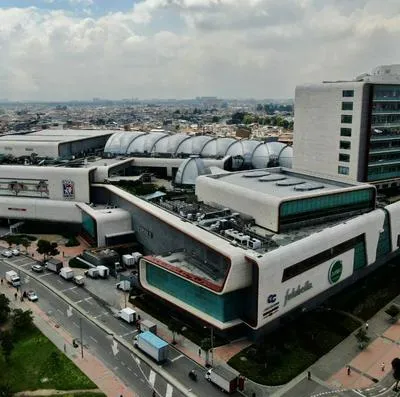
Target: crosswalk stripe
(152,378)
(170,389)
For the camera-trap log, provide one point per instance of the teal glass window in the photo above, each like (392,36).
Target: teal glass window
(347,105)
(345,145)
(345,132)
(344,157)
(343,170)
(348,93)
(347,118)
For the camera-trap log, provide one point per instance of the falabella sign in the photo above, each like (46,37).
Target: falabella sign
(335,271)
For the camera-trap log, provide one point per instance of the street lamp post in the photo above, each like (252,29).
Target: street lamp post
(212,343)
(81,332)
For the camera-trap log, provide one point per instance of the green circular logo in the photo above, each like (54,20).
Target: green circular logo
(335,271)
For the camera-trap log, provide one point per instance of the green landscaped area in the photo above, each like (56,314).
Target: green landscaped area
(77,395)
(285,353)
(35,363)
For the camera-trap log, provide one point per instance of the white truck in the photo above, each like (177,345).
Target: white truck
(67,273)
(128,260)
(104,271)
(79,280)
(128,315)
(152,345)
(124,285)
(224,378)
(147,325)
(93,272)
(13,278)
(54,265)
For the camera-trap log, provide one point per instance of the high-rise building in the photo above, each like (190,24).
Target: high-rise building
(351,129)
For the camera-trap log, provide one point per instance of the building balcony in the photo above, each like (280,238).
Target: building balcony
(380,163)
(384,150)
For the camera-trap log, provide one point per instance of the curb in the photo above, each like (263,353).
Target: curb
(134,351)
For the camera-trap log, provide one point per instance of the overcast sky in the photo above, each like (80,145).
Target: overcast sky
(80,49)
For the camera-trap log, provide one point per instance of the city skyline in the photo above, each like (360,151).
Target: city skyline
(60,50)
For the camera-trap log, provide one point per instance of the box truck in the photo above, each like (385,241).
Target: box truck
(147,325)
(128,260)
(128,315)
(54,265)
(223,377)
(13,278)
(104,271)
(93,272)
(67,273)
(152,345)
(124,285)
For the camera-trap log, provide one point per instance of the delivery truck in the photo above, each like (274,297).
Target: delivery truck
(67,273)
(104,271)
(124,285)
(54,265)
(13,278)
(93,272)
(152,345)
(128,260)
(224,378)
(128,315)
(147,325)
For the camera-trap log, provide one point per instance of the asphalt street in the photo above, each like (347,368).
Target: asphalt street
(135,373)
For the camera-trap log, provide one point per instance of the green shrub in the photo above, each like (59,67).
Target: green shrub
(72,242)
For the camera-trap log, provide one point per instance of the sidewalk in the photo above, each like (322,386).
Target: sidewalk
(329,371)
(93,368)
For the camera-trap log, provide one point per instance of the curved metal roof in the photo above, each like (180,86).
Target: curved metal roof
(286,157)
(189,170)
(246,152)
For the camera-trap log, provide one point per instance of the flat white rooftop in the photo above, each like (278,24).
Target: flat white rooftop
(281,183)
(55,135)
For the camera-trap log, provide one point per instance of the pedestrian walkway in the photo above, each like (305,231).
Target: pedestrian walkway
(93,368)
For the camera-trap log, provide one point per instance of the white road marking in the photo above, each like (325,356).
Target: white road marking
(177,358)
(135,374)
(46,274)
(76,324)
(169,391)
(93,339)
(60,311)
(129,369)
(142,380)
(152,378)
(128,333)
(68,289)
(60,282)
(357,392)
(123,363)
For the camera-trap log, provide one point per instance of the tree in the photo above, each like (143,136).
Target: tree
(5,390)
(4,308)
(175,327)
(46,248)
(7,344)
(396,371)
(26,244)
(393,311)
(206,345)
(22,320)
(362,338)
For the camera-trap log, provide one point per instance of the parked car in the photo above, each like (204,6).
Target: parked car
(15,251)
(37,268)
(7,253)
(31,295)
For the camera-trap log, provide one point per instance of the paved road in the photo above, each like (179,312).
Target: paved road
(134,372)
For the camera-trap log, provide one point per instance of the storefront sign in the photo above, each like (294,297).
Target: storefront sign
(292,293)
(335,271)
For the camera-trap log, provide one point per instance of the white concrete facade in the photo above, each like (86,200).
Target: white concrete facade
(317,129)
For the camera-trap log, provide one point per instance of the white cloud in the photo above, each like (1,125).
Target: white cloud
(185,48)
(85,3)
